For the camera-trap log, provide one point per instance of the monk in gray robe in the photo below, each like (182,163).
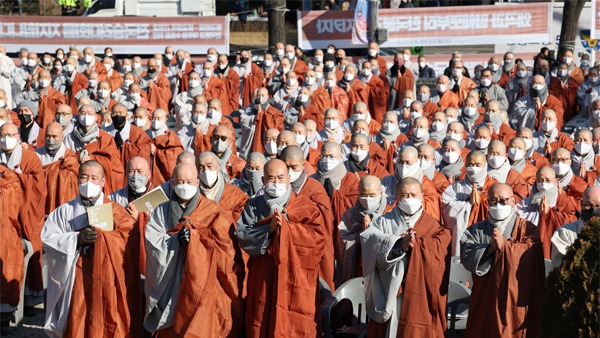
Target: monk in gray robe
(504,253)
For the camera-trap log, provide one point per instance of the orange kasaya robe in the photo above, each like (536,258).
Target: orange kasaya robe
(314,191)
(567,94)
(138,144)
(115,80)
(562,141)
(343,199)
(79,82)
(538,160)
(14,118)
(61,181)
(104,150)
(168,147)
(338,100)
(11,250)
(47,106)
(282,283)
(390,152)
(378,98)
(466,85)
(300,68)
(266,119)
(505,134)
(479,211)
(403,83)
(314,155)
(429,108)
(551,103)
(440,182)
(31,213)
(358,92)
(425,286)
(449,99)
(109,278)
(216,89)
(504,79)
(235,165)
(563,212)
(251,82)
(382,64)
(517,183)
(159,94)
(506,300)
(311,112)
(322,101)
(528,173)
(232,88)
(575,190)
(184,82)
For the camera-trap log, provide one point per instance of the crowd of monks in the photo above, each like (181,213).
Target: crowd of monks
(285,177)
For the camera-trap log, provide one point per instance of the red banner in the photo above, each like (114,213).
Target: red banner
(433,26)
(126,35)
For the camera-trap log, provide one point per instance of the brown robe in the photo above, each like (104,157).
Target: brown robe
(47,107)
(109,278)
(168,147)
(378,99)
(104,150)
(216,89)
(505,302)
(251,82)
(358,92)
(159,94)
(563,212)
(235,165)
(339,100)
(271,118)
(79,82)
(138,144)
(232,87)
(425,285)
(61,181)
(282,283)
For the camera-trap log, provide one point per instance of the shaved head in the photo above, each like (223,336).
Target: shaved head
(292,152)
(185,157)
(92,164)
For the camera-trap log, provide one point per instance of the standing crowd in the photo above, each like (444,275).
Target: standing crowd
(285,178)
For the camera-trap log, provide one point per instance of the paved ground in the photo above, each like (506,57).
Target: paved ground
(32,326)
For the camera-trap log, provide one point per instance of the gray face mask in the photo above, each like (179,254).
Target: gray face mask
(52,145)
(220,146)
(64,121)
(137,182)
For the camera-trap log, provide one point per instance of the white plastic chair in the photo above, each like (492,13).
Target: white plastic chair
(354,291)
(28,250)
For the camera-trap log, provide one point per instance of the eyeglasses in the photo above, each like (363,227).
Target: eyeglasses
(219,137)
(503,201)
(590,207)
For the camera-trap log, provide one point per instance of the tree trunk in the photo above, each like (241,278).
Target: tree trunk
(276,14)
(570,24)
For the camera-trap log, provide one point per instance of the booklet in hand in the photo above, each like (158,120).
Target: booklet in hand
(151,200)
(101,217)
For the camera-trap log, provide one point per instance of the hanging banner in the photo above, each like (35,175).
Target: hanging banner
(433,26)
(595,28)
(126,35)
(362,20)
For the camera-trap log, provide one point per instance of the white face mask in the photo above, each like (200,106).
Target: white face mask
(271,148)
(494,67)
(500,212)
(372,52)
(8,143)
(331,124)
(127,83)
(276,189)
(596,114)
(359,154)
(485,82)
(425,164)
(583,148)
(481,143)
(451,157)
(496,161)
(528,143)
(44,83)
(356,117)
(544,186)
(438,125)
(389,127)
(93,83)
(441,88)
(290,55)
(422,64)
(419,132)
(562,72)
(548,126)
(294,175)
(31,63)
(140,122)
(329,163)
(185,191)
(47,61)
(515,154)
(126,68)
(319,58)
(522,73)
(349,77)
(410,206)
(409,170)
(456,72)
(407,102)
(108,66)
(302,98)
(103,93)
(137,65)
(169,56)
(212,58)
(208,73)
(157,124)
(568,60)
(538,86)
(300,139)
(291,82)
(194,83)
(88,58)
(470,111)
(198,118)
(89,189)
(561,168)
(369,203)
(330,83)
(135,97)
(455,136)
(280,149)
(209,177)
(366,72)
(594,79)
(87,120)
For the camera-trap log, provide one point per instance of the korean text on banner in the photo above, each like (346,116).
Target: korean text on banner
(126,35)
(460,25)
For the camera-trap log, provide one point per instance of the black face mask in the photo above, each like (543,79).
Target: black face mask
(152,70)
(243,59)
(586,215)
(339,59)
(118,120)
(542,72)
(25,119)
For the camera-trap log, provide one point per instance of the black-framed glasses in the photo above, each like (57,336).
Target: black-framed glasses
(503,201)
(217,137)
(590,206)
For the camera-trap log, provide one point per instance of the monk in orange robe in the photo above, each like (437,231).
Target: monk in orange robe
(48,98)
(284,235)
(231,80)
(72,83)
(222,140)
(362,162)
(131,140)
(28,168)
(337,96)
(267,118)
(423,287)
(157,86)
(445,98)
(251,77)
(403,80)
(460,85)
(11,250)
(91,143)
(60,168)
(97,281)
(378,98)
(114,77)
(355,89)
(214,88)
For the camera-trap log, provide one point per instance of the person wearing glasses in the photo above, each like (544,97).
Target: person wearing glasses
(222,141)
(565,236)
(504,253)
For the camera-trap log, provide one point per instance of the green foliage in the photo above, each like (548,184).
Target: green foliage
(571,303)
